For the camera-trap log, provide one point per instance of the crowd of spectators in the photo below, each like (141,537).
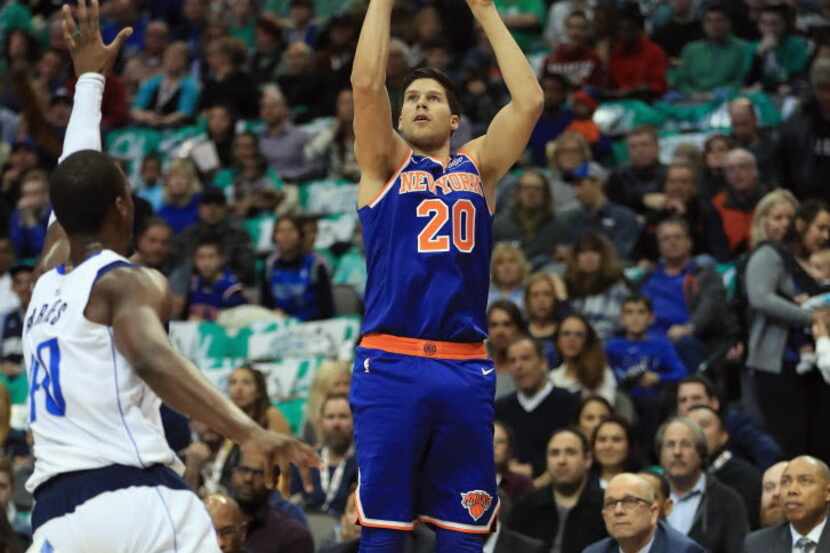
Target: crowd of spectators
(662,250)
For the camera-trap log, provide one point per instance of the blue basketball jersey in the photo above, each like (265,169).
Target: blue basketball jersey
(428,238)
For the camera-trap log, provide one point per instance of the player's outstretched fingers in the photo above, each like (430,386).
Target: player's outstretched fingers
(70,29)
(83,19)
(94,18)
(118,41)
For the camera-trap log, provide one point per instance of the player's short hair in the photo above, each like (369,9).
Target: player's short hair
(441,78)
(586,445)
(638,299)
(83,188)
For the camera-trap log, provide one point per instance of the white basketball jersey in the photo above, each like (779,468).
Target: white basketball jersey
(87,406)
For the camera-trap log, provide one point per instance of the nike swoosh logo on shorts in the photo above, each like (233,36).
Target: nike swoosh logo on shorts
(485,372)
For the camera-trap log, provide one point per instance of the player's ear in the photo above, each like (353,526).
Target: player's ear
(455,122)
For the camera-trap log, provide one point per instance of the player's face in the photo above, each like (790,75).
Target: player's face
(691,394)
(426,120)
(501,329)
(591,415)
(526,366)
(611,447)
(242,388)
(208,261)
(567,461)
(636,318)
(337,424)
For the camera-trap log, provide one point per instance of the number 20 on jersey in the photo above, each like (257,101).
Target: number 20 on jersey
(463,228)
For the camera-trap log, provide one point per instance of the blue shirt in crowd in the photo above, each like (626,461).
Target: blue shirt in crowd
(629,359)
(186,96)
(28,241)
(180,217)
(206,299)
(667,298)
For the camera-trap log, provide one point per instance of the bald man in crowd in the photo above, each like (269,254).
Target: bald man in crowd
(805,495)
(632,518)
(228,521)
(772,510)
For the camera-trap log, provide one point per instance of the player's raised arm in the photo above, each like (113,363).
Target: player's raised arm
(136,318)
(509,132)
(378,147)
(91,59)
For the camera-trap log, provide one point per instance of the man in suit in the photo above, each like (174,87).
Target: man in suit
(632,517)
(805,492)
(566,515)
(772,510)
(705,510)
(738,474)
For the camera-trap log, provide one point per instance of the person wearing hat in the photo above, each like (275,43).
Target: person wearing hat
(637,68)
(596,213)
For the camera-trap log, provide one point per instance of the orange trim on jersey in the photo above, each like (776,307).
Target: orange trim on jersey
(474,161)
(424,348)
(391,181)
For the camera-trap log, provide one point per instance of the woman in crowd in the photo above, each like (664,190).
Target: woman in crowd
(296,283)
(332,378)
(181,195)
(592,411)
(504,324)
(544,310)
(171,98)
(613,450)
(565,154)
(595,283)
(508,274)
(248,390)
(777,280)
(713,179)
(584,368)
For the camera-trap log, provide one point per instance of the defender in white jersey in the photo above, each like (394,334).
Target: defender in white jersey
(99,361)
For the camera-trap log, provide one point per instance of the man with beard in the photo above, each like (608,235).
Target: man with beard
(772,509)
(705,510)
(805,492)
(332,482)
(268,529)
(567,514)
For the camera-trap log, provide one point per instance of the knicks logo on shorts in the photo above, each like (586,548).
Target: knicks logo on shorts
(476,502)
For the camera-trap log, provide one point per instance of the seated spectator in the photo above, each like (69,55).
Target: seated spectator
(544,306)
(296,284)
(228,522)
(283,144)
(525,20)
(565,155)
(213,220)
(567,514)
(531,220)
(718,61)
(781,55)
(598,214)
(221,125)
(613,450)
(591,412)
(574,58)
(213,286)
(584,369)
(536,409)
(504,324)
(331,483)
(631,512)
(689,301)
(303,86)
(804,484)
(150,186)
(555,118)
(508,274)
(637,68)
(152,246)
(705,510)
(8,298)
(683,28)
(733,471)
(746,437)
(639,185)
(268,528)
(302,25)
(584,105)
(11,324)
(331,378)
(335,144)
(512,484)
(205,459)
(662,490)
(171,98)
(805,139)
(248,390)
(267,52)
(736,203)
(772,505)
(148,62)
(556,29)
(228,84)
(596,284)
(763,143)
(713,178)
(644,364)
(181,196)
(27,228)
(248,175)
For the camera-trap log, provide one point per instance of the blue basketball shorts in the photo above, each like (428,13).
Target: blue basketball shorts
(423,415)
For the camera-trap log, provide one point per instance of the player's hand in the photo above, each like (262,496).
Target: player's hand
(83,38)
(281,450)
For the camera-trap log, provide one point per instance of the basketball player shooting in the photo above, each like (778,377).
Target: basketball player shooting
(99,360)
(423,387)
